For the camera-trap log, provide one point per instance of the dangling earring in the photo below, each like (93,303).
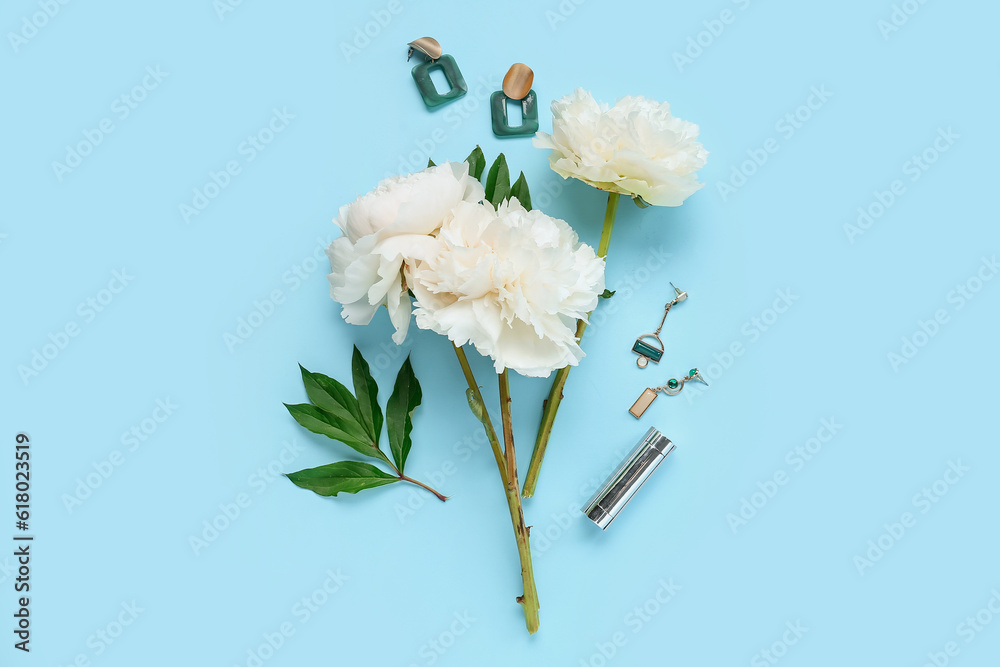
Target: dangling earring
(671,388)
(648,352)
(517,87)
(429,47)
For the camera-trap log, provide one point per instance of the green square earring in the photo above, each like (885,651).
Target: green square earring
(516,86)
(429,47)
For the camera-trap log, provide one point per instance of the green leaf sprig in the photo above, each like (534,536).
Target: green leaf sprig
(356,421)
(498,187)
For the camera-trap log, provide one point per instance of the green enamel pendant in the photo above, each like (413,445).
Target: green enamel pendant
(529,116)
(647,351)
(430,49)
(422,75)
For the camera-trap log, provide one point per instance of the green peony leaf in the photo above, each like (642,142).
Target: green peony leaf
(332,396)
(477,163)
(357,422)
(520,190)
(342,477)
(430,163)
(640,202)
(325,423)
(498,182)
(366,390)
(405,398)
(607,294)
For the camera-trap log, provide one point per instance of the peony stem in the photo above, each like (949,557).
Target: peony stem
(529,600)
(609,224)
(491,434)
(404,478)
(439,495)
(507,466)
(551,405)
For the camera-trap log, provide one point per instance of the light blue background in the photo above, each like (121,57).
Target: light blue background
(408,574)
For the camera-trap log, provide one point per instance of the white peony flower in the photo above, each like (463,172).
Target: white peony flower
(384,232)
(635,147)
(512,282)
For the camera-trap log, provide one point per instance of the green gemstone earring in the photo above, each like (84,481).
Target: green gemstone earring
(671,388)
(517,87)
(648,351)
(431,49)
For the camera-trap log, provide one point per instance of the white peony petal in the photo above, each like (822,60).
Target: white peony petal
(399,307)
(352,273)
(358,312)
(410,247)
(521,351)
(389,278)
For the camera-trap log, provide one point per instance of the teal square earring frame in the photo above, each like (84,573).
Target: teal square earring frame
(529,115)
(422,75)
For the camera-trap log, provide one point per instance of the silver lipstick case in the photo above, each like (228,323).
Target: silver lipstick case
(624,482)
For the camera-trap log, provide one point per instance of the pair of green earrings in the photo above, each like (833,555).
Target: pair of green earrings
(516,87)
(648,350)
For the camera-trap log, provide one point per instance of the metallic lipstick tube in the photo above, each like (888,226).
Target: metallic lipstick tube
(624,482)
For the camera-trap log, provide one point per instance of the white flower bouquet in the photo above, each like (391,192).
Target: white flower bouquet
(475,263)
